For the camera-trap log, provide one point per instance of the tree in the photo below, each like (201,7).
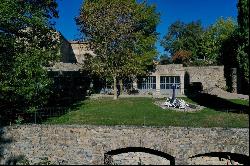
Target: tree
(243,35)
(165,59)
(213,39)
(122,34)
(28,44)
(171,41)
(206,46)
(181,36)
(182,57)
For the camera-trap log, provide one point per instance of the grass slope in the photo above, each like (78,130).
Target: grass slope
(142,111)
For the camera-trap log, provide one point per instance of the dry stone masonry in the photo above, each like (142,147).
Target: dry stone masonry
(209,76)
(77,144)
(139,158)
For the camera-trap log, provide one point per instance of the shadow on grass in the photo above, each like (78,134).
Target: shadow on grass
(218,104)
(10,116)
(48,112)
(68,90)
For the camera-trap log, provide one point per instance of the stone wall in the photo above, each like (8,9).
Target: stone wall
(139,158)
(66,51)
(80,49)
(76,144)
(169,70)
(73,51)
(209,76)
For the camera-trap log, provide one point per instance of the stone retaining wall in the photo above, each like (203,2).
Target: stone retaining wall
(209,76)
(76,144)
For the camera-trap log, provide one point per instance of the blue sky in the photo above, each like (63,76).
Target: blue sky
(208,11)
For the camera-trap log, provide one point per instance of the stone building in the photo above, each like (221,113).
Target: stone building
(165,76)
(70,82)
(159,82)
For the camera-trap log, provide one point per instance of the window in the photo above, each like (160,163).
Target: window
(147,82)
(166,82)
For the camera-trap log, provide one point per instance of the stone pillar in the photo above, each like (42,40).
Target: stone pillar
(234,80)
(158,87)
(182,83)
(135,86)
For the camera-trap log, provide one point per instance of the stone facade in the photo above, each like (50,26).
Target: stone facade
(234,80)
(76,144)
(209,76)
(66,51)
(73,53)
(169,70)
(80,49)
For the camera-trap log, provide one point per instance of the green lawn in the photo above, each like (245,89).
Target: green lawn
(142,111)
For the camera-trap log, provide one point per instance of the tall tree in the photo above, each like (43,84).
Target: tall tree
(212,44)
(243,34)
(183,37)
(165,59)
(182,57)
(27,44)
(122,34)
